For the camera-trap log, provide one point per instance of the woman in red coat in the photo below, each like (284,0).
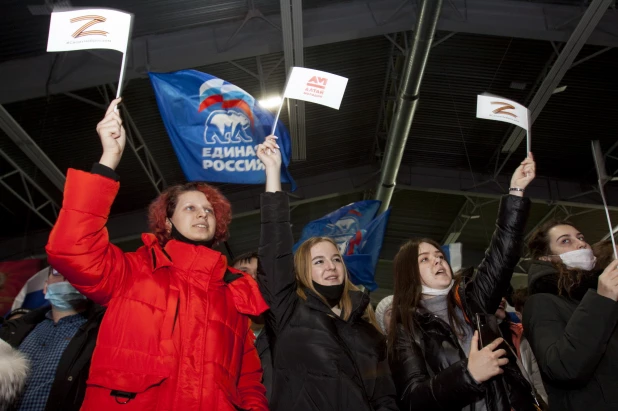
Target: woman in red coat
(176,333)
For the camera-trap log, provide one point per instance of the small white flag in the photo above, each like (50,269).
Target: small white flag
(316,87)
(501,109)
(498,108)
(84,29)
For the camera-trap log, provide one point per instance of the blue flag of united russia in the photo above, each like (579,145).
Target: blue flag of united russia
(215,128)
(359,235)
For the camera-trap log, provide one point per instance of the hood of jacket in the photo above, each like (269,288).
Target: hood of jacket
(543,278)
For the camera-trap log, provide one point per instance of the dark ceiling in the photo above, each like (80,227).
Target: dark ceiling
(445,133)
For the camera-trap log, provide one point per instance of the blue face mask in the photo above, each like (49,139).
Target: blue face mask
(63,296)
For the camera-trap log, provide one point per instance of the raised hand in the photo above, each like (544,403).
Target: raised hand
(112,135)
(484,364)
(608,281)
(523,175)
(268,152)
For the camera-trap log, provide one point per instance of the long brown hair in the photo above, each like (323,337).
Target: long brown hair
(408,288)
(539,249)
(302,267)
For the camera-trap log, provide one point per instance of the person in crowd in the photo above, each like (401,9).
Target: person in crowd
(383,313)
(328,352)
(513,332)
(570,319)
(519,298)
(248,263)
(14,369)
(58,340)
(434,351)
(176,333)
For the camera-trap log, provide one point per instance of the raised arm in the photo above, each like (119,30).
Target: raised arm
(495,271)
(275,258)
(78,245)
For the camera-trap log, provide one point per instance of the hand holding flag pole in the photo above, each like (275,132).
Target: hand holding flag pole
(603,178)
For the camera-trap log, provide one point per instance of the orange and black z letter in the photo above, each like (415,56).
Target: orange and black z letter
(502,109)
(92,20)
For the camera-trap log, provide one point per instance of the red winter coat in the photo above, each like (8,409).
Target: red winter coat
(176,332)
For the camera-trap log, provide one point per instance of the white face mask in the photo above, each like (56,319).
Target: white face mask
(435,291)
(582,259)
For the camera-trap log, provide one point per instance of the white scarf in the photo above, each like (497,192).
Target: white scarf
(435,291)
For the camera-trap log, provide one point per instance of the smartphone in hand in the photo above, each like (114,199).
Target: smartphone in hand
(487,326)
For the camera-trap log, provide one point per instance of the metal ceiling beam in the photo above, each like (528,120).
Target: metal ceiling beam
(129,226)
(407,99)
(542,190)
(467,212)
(547,191)
(293,51)
(571,49)
(27,78)
(28,185)
(31,149)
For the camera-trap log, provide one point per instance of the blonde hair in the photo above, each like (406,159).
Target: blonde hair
(302,267)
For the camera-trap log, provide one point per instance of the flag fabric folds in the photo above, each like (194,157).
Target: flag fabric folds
(215,127)
(84,29)
(315,86)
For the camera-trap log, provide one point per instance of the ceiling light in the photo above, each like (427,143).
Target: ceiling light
(270,102)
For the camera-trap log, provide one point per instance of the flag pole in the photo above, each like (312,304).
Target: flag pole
(277,117)
(599,164)
(609,221)
(122,69)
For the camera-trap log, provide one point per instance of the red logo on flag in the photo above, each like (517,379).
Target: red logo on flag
(316,86)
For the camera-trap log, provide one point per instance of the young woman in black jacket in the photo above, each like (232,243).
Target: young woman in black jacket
(571,319)
(433,348)
(327,351)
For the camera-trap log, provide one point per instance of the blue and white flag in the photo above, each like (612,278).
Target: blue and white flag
(453,255)
(358,234)
(31,295)
(215,128)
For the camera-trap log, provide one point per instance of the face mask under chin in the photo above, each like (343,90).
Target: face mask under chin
(582,259)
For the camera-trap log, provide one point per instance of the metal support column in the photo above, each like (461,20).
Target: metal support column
(407,100)
(30,148)
(27,186)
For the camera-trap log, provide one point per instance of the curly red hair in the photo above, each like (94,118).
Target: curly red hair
(163,208)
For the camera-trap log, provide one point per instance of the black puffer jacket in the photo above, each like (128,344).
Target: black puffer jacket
(575,341)
(69,387)
(320,361)
(262,345)
(429,367)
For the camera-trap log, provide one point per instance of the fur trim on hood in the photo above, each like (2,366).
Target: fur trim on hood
(14,370)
